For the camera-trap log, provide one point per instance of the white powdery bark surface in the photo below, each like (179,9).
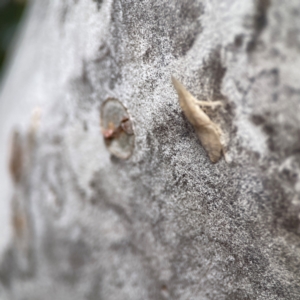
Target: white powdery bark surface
(165,223)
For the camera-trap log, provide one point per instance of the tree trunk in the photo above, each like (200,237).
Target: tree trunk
(106,190)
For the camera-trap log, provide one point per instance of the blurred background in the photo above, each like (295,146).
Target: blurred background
(11,12)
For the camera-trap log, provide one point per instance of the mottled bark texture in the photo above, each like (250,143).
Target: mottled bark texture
(166,223)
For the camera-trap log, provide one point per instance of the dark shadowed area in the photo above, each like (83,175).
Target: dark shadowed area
(11,12)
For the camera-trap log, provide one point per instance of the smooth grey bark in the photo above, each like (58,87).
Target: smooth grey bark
(166,223)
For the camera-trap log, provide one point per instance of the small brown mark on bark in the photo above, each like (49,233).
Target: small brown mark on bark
(34,126)
(16,157)
(19,223)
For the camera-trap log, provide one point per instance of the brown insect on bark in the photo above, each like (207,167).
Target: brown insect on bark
(207,131)
(113,132)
